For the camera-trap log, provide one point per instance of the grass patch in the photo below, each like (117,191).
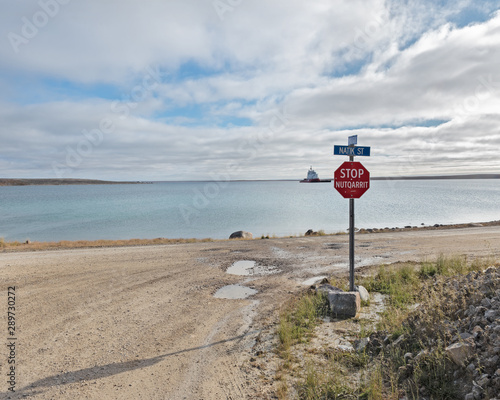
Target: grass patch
(321,385)
(410,359)
(299,319)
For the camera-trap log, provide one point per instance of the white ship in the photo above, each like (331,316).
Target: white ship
(312,177)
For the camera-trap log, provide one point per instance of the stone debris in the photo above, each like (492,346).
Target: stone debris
(469,332)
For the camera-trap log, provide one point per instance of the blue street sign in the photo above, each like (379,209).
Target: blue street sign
(352,140)
(351,150)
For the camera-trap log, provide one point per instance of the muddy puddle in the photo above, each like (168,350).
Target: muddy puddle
(249,267)
(234,292)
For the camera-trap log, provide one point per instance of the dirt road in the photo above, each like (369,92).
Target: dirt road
(142,322)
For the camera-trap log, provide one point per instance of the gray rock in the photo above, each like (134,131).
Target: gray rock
(459,352)
(345,347)
(344,304)
(363,293)
(491,315)
(241,235)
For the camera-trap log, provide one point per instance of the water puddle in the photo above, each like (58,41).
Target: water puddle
(234,292)
(248,267)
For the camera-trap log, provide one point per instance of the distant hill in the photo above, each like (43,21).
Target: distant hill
(26,182)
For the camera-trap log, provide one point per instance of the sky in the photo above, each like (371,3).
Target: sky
(247,89)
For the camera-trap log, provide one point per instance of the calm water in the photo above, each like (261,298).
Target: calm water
(201,209)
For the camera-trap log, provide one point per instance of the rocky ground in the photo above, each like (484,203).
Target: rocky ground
(468,328)
(143,322)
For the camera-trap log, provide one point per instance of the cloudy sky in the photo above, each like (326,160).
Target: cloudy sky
(247,89)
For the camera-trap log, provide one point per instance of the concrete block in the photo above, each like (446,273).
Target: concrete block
(344,304)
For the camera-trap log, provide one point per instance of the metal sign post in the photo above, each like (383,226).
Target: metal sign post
(351,180)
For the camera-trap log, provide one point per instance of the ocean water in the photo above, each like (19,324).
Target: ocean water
(216,209)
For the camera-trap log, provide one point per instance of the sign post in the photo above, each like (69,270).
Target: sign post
(351,180)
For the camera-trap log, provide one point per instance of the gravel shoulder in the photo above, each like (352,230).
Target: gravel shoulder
(142,322)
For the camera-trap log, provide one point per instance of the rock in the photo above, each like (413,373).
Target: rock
(345,347)
(483,381)
(459,352)
(363,293)
(28,241)
(241,235)
(361,344)
(327,288)
(310,232)
(344,304)
(491,315)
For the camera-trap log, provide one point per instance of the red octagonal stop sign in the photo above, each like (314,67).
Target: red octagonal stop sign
(352,180)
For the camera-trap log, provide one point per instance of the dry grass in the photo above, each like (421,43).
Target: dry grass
(78,244)
(383,370)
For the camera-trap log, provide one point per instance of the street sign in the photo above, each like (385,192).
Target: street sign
(352,180)
(352,140)
(351,150)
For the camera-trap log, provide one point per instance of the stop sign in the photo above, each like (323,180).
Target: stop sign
(352,180)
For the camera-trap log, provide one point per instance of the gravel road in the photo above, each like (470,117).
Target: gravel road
(143,322)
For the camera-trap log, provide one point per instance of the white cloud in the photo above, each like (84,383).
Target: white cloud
(386,70)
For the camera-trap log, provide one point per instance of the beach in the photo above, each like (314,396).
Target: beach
(142,322)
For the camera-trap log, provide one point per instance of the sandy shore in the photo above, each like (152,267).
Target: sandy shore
(142,322)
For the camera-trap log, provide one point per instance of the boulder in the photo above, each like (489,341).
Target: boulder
(310,232)
(363,293)
(459,352)
(241,235)
(344,304)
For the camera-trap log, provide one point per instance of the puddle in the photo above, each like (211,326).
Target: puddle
(234,292)
(335,246)
(313,280)
(248,267)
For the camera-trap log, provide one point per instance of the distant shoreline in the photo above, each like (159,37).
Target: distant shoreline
(69,181)
(58,182)
(376,178)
